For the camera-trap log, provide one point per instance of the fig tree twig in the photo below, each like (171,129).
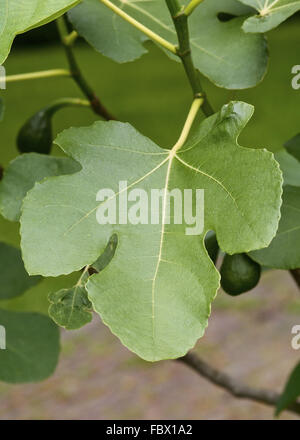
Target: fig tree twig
(180,20)
(76,74)
(233,386)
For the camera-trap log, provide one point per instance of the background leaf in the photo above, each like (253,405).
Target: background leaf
(271,13)
(32,347)
(18,16)
(290,168)
(293,146)
(14,279)
(108,33)
(291,391)
(35,299)
(21,175)
(156,292)
(284,250)
(221,50)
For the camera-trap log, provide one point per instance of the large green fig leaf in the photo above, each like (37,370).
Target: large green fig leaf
(156,292)
(271,13)
(284,250)
(291,391)
(221,50)
(14,278)
(18,16)
(30,347)
(21,175)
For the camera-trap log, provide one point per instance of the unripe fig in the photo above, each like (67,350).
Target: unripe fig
(212,246)
(239,274)
(36,133)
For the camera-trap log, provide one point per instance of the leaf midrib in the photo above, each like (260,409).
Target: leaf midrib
(162,233)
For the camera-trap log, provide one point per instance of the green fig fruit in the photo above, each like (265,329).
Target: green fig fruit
(212,246)
(239,274)
(36,133)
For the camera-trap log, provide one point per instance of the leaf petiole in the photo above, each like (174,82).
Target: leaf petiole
(67,102)
(77,75)
(152,35)
(180,20)
(191,6)
(70,39)
(37,75)
(196,104)
(80,282)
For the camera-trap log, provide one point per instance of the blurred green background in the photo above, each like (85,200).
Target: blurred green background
(154,96)
(152,93)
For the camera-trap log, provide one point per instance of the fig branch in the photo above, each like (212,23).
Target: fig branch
(76,74)
(233,386)
(180,20)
